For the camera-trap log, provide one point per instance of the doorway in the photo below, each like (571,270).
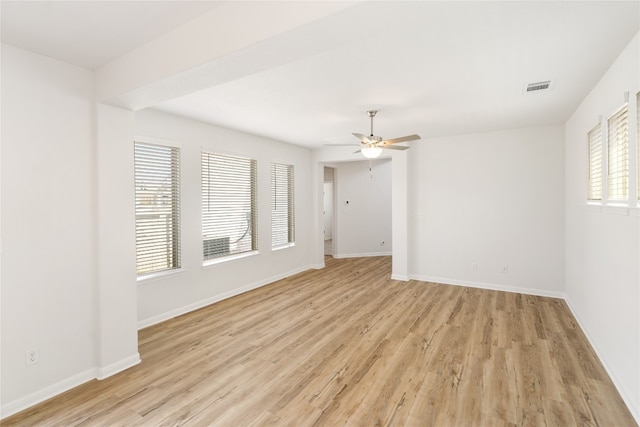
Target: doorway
(328,207)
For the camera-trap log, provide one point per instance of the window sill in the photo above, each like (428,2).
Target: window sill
(229,258)
(281,247)
(614,209)
(594,206)
(159,275)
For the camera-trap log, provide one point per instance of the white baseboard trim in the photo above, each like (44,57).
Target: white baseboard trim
(46,393)
(362,255)
(401,277)
(490,286)
(145,323)
(119,366)
(53,390)
(635,411)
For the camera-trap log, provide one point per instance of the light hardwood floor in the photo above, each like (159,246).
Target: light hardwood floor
(346,345)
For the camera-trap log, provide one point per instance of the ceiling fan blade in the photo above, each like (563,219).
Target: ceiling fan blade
(394,147)
(362,138)
(356,152)
(401,139)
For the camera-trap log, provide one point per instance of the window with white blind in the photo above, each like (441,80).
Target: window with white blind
(594,142)
(229,205)
(618,156)
(282,205)
(157,189)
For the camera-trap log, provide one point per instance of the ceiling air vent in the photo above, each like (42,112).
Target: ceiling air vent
(537,87)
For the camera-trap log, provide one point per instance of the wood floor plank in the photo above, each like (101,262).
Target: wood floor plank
(346,345)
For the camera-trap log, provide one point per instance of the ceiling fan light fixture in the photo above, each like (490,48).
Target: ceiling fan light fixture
(371,152)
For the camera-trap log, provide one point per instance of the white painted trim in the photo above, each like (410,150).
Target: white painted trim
(157,141)
(362,255)
(635,411)
(74,381)
(118,366)
(145,323)
(400,277)
(159,275)
(46,393)
(490,286)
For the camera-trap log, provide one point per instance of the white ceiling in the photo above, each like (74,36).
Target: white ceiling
(91,33)
(431,67)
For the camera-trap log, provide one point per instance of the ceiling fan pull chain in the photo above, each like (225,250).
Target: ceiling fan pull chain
(371,125)
(372,114)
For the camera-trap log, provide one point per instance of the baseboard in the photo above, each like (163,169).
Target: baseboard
(401,277)
(53,390)
(490,286)
(362,255)
(119,366)
(145,323)
(635,411)
(46,393)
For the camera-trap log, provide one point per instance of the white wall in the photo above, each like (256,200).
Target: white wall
(115,241)
(481,203)
(195,286)
(363,208)
(68,248)
(48,267)
(603,245)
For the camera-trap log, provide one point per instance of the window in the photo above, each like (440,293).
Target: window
(157,181)
(638,139)
(282,205)
(595,163)
(229,205)
(618,156)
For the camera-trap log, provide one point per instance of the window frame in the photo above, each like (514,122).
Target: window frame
(637,148)
(173,245)
(278,170)
(620,145)
(596,191)
(212,237)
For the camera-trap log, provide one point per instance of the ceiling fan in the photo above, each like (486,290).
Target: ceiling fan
(373,145)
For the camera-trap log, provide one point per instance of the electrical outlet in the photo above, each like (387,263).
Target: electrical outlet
(32,357)
(474,266)
(505,269)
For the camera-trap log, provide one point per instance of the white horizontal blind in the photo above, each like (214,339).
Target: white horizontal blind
(618,143)
(157,181)
(282,205)
(229,205)
(595,163)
